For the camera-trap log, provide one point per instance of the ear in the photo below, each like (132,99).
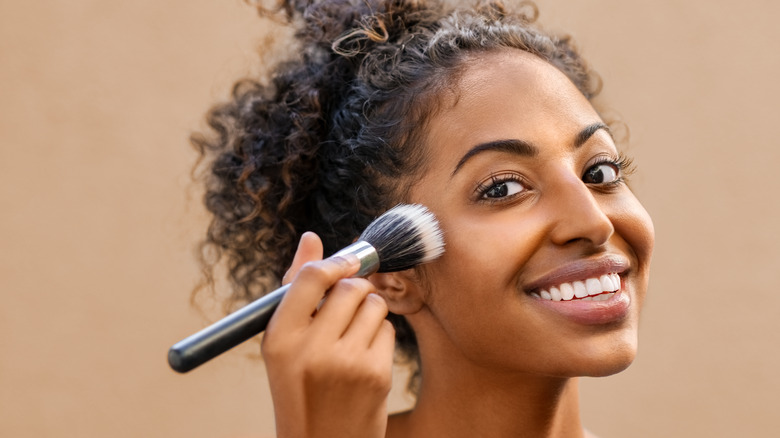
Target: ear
(403,296)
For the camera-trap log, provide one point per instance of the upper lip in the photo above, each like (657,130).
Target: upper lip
(579,270)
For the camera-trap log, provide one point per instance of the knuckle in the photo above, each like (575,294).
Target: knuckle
(358,371)
(312,271)
(377,380)
(388,327)
(279,347)
(350,286)
(316,368)
(271,351)
(354,288)
(377,302)
(368,373)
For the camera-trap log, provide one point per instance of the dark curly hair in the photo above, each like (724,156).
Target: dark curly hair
(321,144)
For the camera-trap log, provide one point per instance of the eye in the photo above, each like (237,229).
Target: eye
(500,187)
(602,173)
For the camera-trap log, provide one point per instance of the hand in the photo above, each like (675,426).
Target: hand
(329,365)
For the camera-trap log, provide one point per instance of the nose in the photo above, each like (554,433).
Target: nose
(578,215)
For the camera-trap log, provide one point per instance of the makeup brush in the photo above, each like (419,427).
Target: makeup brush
(403,237)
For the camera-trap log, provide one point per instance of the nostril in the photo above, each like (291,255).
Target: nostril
(594,229)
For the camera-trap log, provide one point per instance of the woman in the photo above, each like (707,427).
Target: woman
(488,122)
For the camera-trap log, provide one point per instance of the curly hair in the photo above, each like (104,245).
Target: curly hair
(320,145)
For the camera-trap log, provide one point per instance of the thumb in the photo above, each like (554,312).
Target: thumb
(309,250)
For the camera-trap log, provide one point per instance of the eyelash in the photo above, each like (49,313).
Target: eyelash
(501,178)
(624,165)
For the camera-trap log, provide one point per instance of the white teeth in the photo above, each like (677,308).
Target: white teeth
(593,285)
(606,283)
(580,291)
(567,291)
(591,289)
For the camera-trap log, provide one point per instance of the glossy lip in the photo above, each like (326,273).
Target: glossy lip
(590,312)
(579,270)
(586,312)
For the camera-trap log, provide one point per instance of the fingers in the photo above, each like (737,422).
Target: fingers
(345,302)
(330,371)
(309,249)
(366,321)
(309,287)
(352,310)
(383,344)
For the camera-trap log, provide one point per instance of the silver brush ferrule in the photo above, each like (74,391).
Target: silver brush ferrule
(366,253)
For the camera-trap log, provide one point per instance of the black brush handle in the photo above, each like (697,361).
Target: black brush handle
(226,333)
(250,320)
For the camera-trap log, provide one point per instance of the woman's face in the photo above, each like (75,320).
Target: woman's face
(526,182)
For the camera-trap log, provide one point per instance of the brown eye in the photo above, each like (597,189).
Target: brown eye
(502,189)
(603,173)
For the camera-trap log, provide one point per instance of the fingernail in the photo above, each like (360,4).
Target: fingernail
(376,297)
(347,260)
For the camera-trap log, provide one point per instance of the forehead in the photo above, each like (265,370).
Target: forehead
(509,94)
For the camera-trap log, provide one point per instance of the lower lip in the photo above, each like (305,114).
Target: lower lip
(590,312)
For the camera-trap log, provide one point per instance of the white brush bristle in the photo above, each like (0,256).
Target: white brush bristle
(429,231)
(405,236)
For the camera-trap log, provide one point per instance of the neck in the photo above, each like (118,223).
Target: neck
(539,409)
(461,399)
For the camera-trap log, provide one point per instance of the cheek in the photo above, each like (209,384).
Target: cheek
(634,225)
(488,248)
(478,267)
(474,286)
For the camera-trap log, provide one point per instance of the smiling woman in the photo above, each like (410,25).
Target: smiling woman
(537,208)
(488,122)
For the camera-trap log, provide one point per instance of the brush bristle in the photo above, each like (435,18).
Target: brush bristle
(405,236)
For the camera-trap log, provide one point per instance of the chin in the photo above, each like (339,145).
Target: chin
(597,357)
(613,361)
(608,368)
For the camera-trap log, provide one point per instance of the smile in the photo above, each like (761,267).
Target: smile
(592,289)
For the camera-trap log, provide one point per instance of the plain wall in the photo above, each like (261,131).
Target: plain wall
(98,217)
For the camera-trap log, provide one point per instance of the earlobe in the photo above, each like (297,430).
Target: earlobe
(399,291)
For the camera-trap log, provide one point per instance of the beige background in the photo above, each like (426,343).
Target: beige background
(98,220)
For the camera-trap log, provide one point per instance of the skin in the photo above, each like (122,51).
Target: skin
(496,361)
(329,366)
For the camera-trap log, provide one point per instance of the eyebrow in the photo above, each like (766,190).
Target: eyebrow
(523,148)
(588,132)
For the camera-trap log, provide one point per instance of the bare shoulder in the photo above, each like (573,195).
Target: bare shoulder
(589,434)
